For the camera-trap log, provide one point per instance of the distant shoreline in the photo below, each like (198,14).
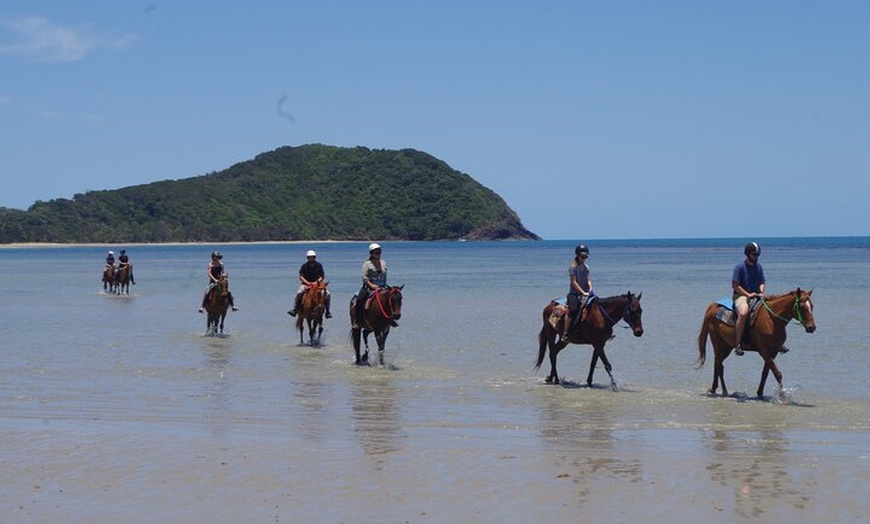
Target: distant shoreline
(150,244)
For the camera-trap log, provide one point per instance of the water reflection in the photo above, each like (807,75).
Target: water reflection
(753,464)
(217,360)
(581,431)
(376,414)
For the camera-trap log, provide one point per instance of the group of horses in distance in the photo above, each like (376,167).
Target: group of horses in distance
(765,328)
(117,279)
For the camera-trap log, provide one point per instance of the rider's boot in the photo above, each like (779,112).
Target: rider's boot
(328,302)
(204,302)
(232,302)
(566,327)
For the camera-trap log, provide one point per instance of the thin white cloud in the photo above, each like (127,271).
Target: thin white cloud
(40,39)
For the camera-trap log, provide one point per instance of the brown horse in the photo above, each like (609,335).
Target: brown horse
(216,307)
(109,279)
(382,310)
(596,329)
(765,331)
(313,307)
(122,279)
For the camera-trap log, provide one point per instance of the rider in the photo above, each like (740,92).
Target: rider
(124,261)
(580,288)
(110,261)
(747,282)
(374,277)
(310,273)
(214,270)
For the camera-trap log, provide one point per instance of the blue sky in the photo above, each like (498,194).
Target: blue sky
(593,120)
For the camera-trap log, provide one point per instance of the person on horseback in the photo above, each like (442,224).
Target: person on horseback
(374,277)
(110,260)
(124,261)
(747,282)
(580,288)
(214,270)
(310,273)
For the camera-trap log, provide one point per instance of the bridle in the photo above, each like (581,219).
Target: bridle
(795,309)
(390,291)
(627,312)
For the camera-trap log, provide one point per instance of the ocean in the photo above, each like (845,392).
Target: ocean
(121,409)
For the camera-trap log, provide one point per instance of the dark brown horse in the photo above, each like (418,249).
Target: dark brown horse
(766,334)
(122,279)
(313,307)
(382,311)
(217,305)
(596,329)
(109,279)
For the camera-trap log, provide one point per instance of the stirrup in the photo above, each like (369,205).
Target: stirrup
(739,350)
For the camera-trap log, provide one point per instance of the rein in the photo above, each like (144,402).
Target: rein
(796,310)
(380,305)
(625,312)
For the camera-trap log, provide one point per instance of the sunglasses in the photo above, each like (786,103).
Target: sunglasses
(755,254)
(378,251)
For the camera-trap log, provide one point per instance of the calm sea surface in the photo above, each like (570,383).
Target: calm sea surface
(119,409)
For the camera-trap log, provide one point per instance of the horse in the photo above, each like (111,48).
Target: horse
(217,305)
(383,309)
(122,279)
(313,307)
(765,331)
(109,279)
(595,329)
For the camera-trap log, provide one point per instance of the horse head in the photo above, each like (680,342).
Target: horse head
(633,313)
(394,302)
(803,310)
(224,284)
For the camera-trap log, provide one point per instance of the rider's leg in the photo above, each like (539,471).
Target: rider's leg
(204,300)
(566,326)
(232,302)
(742,310)
(297,305)
(328,302)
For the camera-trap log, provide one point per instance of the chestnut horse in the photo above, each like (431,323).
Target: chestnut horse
(766,334)
(313,307)
(216,307)
(109,279)
(382,311)
(596,329)
(122,279)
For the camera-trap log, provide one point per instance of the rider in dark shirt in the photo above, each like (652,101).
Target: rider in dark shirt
(124,261)
(310,272)
(214,270)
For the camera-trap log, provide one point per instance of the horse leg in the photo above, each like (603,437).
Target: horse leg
(769,365)
(356,336)
(553,378)
(592,364)
(607,367)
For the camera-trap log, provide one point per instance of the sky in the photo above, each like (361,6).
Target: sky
(591,119)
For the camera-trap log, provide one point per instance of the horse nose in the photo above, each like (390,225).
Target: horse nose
(811,329)
(397,316)
(638,332)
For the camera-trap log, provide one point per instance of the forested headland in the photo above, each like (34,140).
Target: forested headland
(310,192)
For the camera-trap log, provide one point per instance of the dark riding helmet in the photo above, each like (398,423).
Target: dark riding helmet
(581,249)
(216,254)
(751,247)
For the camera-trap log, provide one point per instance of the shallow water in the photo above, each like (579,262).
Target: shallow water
(120,409)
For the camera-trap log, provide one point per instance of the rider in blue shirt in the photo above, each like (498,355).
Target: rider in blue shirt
(747,282)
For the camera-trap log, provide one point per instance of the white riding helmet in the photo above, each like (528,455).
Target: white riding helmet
(311,253)
(373,246)
(111,253)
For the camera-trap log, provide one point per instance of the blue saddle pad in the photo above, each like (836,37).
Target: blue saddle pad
(726,302)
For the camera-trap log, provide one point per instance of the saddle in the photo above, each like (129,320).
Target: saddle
(726,315)
(561,310)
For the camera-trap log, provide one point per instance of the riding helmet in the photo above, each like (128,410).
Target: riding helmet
(581,249)
(216,254)
(311,253)
(373,246)
(751,247)
(111,253)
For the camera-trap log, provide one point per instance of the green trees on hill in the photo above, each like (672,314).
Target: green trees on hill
(312,192)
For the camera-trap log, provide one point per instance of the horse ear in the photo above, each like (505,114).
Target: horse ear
(810,293)
(639,295)
(401,287)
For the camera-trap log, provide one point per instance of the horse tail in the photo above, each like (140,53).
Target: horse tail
(702,339)
(542,336)
(542,347)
